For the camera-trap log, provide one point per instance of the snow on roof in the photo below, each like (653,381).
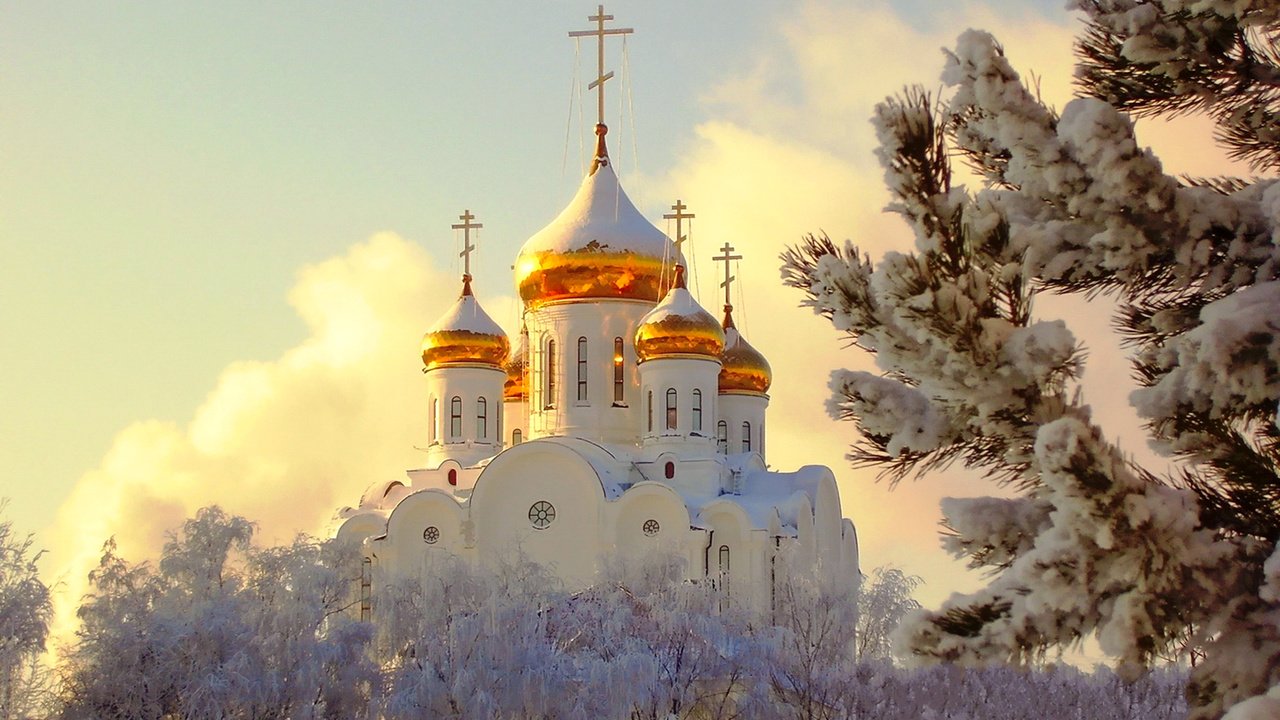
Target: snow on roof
(467,315)
(601,217)
(678,303)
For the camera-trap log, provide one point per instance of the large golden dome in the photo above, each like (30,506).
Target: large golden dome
(742,368)
(466,335)
(678,326)
(516,386)
(599,247)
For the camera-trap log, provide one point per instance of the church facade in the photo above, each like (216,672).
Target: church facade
(626,421)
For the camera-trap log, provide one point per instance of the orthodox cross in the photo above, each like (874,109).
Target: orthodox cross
(727,257)
(466,226)
(679,215)
(601,75)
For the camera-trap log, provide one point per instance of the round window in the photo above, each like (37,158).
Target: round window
(431,535)
(541,514)
(651,527)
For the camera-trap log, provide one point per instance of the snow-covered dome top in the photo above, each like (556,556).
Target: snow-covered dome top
(678,326)
(466,335)
(599,246)
(516,386)
(742,368)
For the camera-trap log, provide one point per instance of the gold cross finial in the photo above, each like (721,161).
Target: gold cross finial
(727,257)
(678,216)
(601,75)
(466,226)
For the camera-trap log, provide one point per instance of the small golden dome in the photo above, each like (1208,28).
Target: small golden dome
(599,247)
(742,368)
(466,335)
(516,386)
(678,326)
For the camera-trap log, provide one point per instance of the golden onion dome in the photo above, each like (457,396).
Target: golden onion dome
(516,386)
(466,335)
(742,368)
(678,326)
(599,247)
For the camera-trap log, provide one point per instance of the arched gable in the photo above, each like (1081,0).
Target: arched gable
(544,499)
(426,521)
(651,517)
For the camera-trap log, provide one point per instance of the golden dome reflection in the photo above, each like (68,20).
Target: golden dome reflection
(465,335)
(678,326)
(743,369)
(516,386)
(599,247)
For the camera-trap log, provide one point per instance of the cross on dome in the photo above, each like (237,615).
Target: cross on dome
(601,75)
(678,216)
(466,226)
(727,257)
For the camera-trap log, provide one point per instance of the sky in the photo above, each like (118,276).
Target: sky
(225,226)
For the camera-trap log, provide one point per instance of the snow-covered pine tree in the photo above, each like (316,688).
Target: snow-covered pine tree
(1070,203)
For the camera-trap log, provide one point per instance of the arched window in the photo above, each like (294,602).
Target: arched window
(722,437)
(671,408)
(617,370)
(746,437)
(517,437)
(435,420)
(482,418)
(697,411)
(650,411)
(455,418)
(497,420)
(551,373)
(582,369)
(453,476)
(669,470)
(724,572)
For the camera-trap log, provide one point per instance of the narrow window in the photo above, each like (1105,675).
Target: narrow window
(435,420)
(670,470)
(582,369)
(366,589)
(671,408)
(650,411)
(455,418)
(697,411)
(551,373)
(497,419)
(482,418)
(722,437)
(453,476)
(746,437)
(517,437)
(617,370)
(724,573)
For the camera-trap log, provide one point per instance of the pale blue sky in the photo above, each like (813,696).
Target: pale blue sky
(168,167)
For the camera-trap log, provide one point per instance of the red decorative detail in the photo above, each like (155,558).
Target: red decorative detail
(453,477)
(671,470)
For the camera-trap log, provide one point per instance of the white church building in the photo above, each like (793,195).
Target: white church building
(626,421)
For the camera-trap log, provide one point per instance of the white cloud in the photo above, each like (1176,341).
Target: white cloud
(284,442)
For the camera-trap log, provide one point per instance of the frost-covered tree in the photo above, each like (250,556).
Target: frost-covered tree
(884,599)
(811,650)
(1071,203)
(220,629)
(25,611)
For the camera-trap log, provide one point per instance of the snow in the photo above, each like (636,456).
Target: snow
(466,315)
(678,303)
(601,217)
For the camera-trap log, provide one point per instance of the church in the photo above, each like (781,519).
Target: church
(624,421)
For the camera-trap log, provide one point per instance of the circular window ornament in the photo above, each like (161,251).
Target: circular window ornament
(651,527)
(542,514)
(431,535)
